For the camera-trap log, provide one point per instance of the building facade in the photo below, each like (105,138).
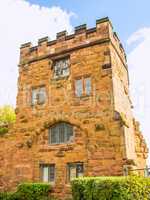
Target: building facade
(74,112)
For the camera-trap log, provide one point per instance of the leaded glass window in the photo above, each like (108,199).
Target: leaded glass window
(61,68)
(60,133)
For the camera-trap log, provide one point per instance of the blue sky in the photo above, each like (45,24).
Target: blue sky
(127,15)
(28,20)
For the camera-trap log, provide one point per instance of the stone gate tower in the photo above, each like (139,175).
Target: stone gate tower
(74,113)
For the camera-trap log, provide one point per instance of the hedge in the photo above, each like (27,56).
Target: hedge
(111,188)
(28,191)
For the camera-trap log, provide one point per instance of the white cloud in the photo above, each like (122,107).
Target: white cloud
(140,34)
(22,22)
(139,69)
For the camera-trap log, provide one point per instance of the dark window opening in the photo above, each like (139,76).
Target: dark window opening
(106,66)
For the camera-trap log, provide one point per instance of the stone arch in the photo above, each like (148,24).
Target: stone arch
(32,140)
(75,122)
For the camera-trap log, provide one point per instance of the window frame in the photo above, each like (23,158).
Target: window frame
(83,80)
(75,164)
(38,92)
(42,166)
(61,75)
(65,135)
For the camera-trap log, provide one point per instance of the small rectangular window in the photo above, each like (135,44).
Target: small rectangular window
(78,88)
(75,170)
(87,82)
(48,173)
(83,86)
(61,68)
(38,96)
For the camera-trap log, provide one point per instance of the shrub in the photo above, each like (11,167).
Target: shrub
(33,191)
(111,188)
(8,196)
(3,130)
(3,196)
(28,191)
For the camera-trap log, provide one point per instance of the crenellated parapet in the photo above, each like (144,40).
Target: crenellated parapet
(64,43)
(73,112)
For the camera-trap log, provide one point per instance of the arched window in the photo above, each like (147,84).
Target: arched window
(60,133)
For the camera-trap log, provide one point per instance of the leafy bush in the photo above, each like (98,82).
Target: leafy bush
(28,191)
(3,130)
(3,196)
(111,188)
(7,115)
(8,196)
(33,191)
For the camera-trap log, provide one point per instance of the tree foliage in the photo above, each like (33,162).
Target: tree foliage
(7,115)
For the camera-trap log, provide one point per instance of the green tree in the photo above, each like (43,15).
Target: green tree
(7,115)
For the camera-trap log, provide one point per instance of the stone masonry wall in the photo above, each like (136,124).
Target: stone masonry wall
(104,135)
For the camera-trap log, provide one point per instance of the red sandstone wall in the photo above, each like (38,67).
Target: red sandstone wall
(101,141)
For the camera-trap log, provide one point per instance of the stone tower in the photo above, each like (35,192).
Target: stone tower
(74,113)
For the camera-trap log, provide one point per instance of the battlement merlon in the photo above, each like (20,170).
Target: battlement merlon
(81,38)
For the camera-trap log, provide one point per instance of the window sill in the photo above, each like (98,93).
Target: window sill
(84,97)
(60,145)
(38,105)
(57,147)
(60,78)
